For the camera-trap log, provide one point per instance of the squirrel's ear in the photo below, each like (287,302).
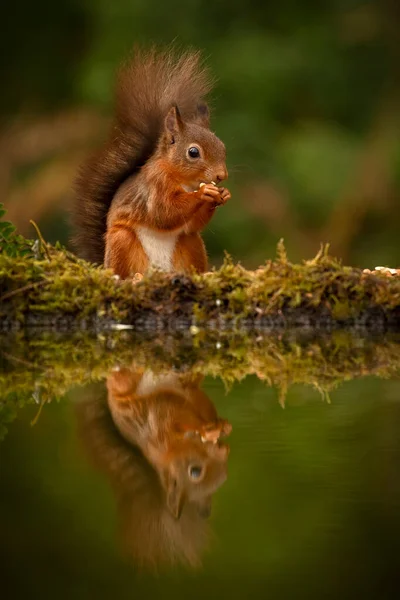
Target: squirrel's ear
(175,495)
(173,123)
(203,115)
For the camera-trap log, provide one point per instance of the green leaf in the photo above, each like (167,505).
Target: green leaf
(10,243)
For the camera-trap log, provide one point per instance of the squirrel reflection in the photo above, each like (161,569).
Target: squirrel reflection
(158,439)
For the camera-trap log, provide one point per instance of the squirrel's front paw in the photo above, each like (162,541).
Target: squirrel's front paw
(217,196)
(213,431)
(225,195)
(209,192)
(137,277)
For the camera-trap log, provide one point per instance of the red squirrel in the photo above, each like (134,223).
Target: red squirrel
(145,434)
(142,200)
(177,429)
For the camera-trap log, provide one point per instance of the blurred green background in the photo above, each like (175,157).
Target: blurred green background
(307,102)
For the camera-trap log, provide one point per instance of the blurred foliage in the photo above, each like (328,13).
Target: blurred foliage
(307,102)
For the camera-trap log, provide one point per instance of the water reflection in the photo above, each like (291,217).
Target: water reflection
(157,438)
(311,506)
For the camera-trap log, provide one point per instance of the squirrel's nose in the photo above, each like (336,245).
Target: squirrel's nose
(221,174)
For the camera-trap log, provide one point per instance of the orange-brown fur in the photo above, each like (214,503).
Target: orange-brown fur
(144,175)
(190,252)
(139,449)
(127,254)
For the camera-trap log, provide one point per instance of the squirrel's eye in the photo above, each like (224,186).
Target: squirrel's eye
(194,152)
(195,471)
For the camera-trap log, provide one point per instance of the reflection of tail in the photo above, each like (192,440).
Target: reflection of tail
(150,534)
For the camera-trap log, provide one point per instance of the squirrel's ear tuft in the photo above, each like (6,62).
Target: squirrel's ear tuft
(203,115)
(173,123)
(175,497)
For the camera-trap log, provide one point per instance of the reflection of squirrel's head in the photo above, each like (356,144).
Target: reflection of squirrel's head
(176,426)
(149,500)
(191,473)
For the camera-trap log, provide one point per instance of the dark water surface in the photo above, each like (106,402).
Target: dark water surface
(310,506)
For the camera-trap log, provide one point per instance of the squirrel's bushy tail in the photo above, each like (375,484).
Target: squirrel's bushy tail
(147,86)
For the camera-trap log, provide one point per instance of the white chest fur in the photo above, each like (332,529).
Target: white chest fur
(150,382)
(159,246)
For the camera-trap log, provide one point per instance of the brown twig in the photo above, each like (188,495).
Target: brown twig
(24,288)
(27,363)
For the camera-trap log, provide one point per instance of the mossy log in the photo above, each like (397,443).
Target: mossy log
(53,288)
